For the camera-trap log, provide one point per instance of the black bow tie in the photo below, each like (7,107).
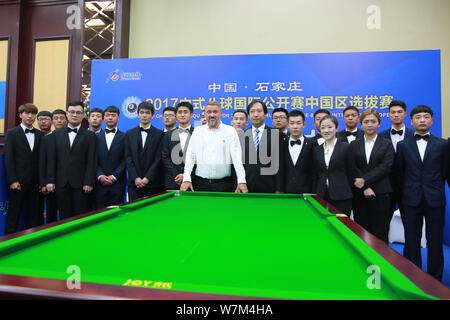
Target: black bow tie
(184,130)
(399,132)
(425,137)
(146,130)
(110,131)
(299,142)
(69,130)
(29,131)
(348,133)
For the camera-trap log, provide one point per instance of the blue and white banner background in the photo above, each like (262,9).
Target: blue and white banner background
(304,82)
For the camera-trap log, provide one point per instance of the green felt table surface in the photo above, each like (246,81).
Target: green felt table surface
(274,246)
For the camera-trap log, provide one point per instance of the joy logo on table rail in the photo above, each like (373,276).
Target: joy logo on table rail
(74,280)
(374,281)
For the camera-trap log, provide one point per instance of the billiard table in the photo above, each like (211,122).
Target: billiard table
(204,245)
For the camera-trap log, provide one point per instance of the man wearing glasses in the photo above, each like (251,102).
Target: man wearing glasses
(72,163)
(169,118)
(280,121)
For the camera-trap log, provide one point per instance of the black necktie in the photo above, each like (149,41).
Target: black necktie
(110,131)
(425,137)
(348,133)
(69,130)
(299,142)
(399,132)
(146,130)
(29,131)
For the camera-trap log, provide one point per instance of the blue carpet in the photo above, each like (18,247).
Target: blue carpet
(446,276)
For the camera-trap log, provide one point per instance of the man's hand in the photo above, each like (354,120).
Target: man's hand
(111,179)
(179,179)
(87,189)
(15,186)
(185,186)
(104,180)
(359,183)
(241,188)
(138,183)
(145,182)
(50,187)
(43,190)
(368,193)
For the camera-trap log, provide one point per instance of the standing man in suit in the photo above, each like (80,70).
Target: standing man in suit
(280,122)
(297,153)
(143,155)
(59,121)
(21,165)
(397,133)
(174,146)
(262,147)
(111,173)
(331,170)
(421,163)
(372,158)
(318,115)
(96,120)
(72,163)
(169,118)
(351,131)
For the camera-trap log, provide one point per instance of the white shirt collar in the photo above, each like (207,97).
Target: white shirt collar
(77,127)
(145,128)
(24,127)
(373,141)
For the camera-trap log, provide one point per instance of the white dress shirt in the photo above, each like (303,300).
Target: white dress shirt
(351,137)
(422,146)
(327,153)
(29,136)
(396,138)
(296,149)
(369,146)
(183,136)
(109,137)
(213,151)
(72,135)
(144,135)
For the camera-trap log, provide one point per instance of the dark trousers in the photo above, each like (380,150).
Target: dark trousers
(72,201)
(136,193)
(373,214)
(24,201)
(213,185)
(412,218)
(49,203)
(109,196)
(345,206)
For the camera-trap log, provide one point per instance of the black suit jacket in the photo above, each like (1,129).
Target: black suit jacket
(337,173)
(417,178)
(297,177)
(263,166)
(144,162)
(76,165)
(173,158)
(376,173)
(21,164)
(342,135)
(112,161)
(43,159)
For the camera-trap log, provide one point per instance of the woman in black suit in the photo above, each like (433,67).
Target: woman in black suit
(331,168)
(372,158)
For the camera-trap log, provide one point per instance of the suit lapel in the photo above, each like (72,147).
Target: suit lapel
(78,137)
(429,148)
(414,148)
(361,144)
(114,141)
(376,147)
(24,138)
(333,155)
(149,139)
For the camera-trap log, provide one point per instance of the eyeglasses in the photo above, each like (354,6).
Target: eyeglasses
(78,113)
(168,116)
(279,118)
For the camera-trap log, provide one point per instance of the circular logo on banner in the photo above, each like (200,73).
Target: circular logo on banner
(130,106)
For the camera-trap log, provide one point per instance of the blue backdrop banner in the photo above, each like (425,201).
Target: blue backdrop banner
(303,82)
